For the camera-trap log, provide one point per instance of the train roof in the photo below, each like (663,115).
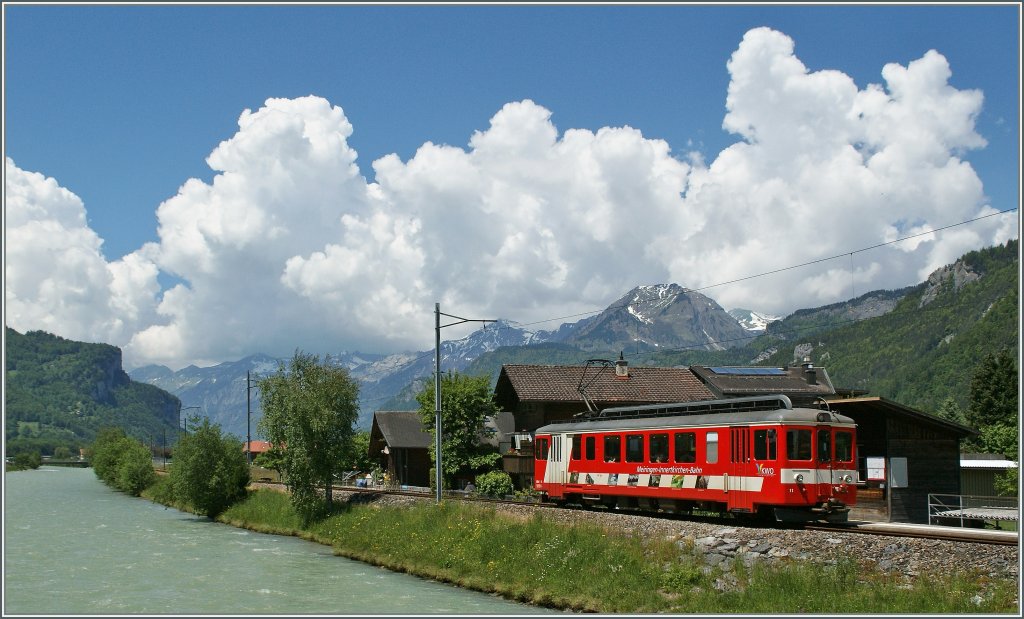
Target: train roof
(740,417)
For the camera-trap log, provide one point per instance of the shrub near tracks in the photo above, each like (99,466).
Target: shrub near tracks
(585,567)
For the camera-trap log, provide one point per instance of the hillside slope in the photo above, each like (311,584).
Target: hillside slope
(60,393)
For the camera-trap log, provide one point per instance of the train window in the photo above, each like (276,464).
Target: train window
(824,445)
(541,452)
(590,447)
(576,446)
(659,448)
(634,448)
(711,450)
(686,447)
(612,448)
(844,446)
(764,444)
(798,444)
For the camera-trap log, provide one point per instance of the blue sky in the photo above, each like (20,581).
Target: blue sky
(121,105)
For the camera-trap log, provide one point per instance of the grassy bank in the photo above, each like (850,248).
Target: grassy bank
(585,568)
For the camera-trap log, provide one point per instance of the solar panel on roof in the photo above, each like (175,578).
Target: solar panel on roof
(749,371)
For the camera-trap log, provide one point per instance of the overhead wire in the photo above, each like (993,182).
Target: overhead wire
(780,270)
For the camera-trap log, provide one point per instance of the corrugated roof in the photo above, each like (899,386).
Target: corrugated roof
(402,429)
(988,464)
(558,383)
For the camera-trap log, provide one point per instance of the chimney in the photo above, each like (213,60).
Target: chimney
(809,371)
(621,367)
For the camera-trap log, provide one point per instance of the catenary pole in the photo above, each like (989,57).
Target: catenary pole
(437,386)
(248,416)
(437,400)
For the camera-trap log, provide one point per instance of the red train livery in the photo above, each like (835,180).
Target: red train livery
(755,456)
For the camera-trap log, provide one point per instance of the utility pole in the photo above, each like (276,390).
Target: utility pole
(186,418)
(248,416)
(437,386)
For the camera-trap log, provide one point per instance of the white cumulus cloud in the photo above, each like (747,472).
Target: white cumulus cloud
(289,246)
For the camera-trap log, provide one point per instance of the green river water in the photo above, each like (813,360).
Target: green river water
(72,546)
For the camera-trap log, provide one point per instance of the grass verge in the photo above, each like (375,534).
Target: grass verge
(585,568)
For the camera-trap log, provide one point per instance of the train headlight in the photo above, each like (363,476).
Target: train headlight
(848,478)
(799,478)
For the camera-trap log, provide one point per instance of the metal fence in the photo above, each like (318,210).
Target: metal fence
(971,510)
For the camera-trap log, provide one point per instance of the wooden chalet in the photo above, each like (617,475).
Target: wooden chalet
(804,385)
(903,456)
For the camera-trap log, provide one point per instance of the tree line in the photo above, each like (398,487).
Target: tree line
(310,409)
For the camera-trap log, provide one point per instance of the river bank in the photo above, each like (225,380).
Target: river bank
(567,560)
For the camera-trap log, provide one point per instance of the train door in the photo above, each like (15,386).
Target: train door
(737,484)
(540,459)
(558,458)
(826,463)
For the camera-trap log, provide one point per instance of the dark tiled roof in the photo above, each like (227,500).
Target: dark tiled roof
(791,381)
(402,429)
(558,383)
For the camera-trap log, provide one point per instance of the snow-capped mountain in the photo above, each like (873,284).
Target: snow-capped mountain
(661,316)
(220,392)
(754,322)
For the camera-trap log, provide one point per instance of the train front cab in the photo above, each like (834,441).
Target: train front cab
(817,472)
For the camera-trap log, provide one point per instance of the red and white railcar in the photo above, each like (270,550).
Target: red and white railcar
(748,456)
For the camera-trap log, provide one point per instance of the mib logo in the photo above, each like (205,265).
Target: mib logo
(765,471)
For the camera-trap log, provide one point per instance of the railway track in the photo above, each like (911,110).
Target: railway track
(956,534)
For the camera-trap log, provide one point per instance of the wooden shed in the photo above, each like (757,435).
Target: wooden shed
(400,444)
(904,455)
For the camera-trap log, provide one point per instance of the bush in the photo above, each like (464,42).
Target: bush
(210,471)
(135,470)
(121,462)
(27,460)
(494,483)
(106,454)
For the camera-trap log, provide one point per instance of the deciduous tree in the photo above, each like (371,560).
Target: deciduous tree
(465,403)
(309,409)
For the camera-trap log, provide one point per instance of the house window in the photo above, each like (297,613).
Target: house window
(612,448)
(659,448)
(634,448)
(711,448)
(590,447)
(764,444)
(686,447)
(798,444)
